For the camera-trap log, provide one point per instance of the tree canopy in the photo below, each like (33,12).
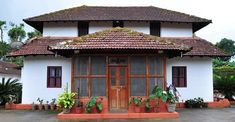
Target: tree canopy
(34,33)
(228,46)
(17,32)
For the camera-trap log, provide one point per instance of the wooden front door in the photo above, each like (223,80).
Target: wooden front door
(118,87)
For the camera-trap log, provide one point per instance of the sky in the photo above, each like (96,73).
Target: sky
(221,12)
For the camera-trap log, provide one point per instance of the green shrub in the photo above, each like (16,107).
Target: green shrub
(195,103)
(225,85)
(10,90)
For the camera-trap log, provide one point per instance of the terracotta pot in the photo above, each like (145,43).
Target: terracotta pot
(171,108)
(79,110)
(93,109)
(137,109)
(156,109)
(52,106)
(46,106)
(66,110)
(40,107)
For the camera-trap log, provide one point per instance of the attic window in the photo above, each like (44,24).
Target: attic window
(83,28)
(155,28)
(118,24)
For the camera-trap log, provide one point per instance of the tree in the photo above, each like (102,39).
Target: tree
(17,32)
(228,46)
(2,23)
(9,87)
(4,49)
(34,33)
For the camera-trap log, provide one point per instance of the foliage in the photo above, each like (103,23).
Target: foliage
(94,102)
(8,88)
(195,103)
(40,100)
(34,33)
(170,95)
(228,46)
(225,84)
(137,101)
(53,101)
(2,23)
(4,49)
(17,33)
(90,104)
(224,70)
(147,104)
(66,99)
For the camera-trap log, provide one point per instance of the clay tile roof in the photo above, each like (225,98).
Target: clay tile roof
(118,38)
(201,47)
(148,13)
(38,46)
(9,68)
(108,13)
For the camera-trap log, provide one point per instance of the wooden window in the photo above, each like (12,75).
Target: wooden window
(138,87)
(54,74)
(155,28)
(118,24)
(90,75)
(83,28)
(179,76)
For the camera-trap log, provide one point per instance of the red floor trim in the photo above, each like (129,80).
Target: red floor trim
(164,115)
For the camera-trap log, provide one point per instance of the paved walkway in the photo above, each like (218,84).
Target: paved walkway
(186,115)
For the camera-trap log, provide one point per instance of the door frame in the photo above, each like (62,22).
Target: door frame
(127,84)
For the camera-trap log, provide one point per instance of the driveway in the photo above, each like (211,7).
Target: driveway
(186,115)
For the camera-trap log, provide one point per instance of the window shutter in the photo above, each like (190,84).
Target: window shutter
(155,28)
(83,28)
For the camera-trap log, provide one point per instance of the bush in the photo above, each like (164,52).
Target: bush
(10,91)
(195,103)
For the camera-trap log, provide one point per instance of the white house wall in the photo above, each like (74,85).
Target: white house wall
(143,27)
(176,30)
(199,77)
(99,26)
(34,77)
(71,28)
(60,29)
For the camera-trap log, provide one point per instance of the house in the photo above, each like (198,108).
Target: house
(116,52)
(9,70)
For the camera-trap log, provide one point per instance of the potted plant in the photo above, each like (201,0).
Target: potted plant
(52,104)
(79,108)
(40,106)
(66,100)
(46,106)
(91,105)
(99,105)
(147,105)
(137,102)
(158,95)
(34,106)
(172,98)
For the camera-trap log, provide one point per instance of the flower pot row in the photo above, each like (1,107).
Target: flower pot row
(44,107)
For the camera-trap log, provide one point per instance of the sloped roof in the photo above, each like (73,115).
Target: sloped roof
(101,13)
(201,47)
(9,68)
(38,46)
(118,38)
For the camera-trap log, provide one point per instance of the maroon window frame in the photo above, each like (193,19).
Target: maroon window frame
(54,76)
(179,76)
